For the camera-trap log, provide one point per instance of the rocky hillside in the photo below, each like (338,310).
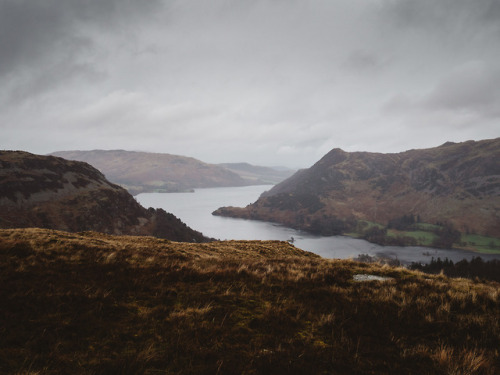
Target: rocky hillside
(140,172)
(91,303)
(258,174)
(51,192)
(457,184)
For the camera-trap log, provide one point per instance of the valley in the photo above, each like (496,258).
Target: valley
(93,282)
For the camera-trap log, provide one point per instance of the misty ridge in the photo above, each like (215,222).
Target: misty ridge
(140,172)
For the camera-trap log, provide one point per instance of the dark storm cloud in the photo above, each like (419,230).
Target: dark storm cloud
(444,14)
(28,31)
(44,43)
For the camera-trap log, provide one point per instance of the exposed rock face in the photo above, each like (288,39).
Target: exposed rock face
(51,192)
(141,172)
(457,183)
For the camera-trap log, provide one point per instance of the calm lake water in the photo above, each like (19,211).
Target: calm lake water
(195,209)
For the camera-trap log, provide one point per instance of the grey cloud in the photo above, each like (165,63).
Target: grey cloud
(437,31)
(283,81)
(28,30)
(491,12)
(43,42)
(442,14)
(60,74)
(363,61)
(472,86)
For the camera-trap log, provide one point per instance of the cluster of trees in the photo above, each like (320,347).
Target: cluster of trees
(405,222)
(331,225)
(475,268)
(446,236)
(379,236)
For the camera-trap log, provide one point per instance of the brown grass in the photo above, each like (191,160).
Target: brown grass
(92,304)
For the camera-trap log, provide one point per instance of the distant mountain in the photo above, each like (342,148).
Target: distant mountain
(259,175)
(456,185)
(54,193)
(140,172)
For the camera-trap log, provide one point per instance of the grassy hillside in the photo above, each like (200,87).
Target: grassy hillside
(455,186)
(91,303)
(55,193)
(258,174)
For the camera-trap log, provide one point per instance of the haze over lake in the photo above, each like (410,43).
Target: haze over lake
(195,209)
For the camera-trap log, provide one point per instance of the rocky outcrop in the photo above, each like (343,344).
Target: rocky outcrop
(456,183)
(51,192)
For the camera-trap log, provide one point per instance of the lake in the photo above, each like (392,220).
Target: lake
(195,209)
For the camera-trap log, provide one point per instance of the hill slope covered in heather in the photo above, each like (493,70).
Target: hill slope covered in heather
(258,174)
(98,304)
(51,192)
(141,172)
(454,188)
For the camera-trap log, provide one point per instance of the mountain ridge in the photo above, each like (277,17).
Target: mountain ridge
(55,193)
(455,183)
(142,172)
(259,174)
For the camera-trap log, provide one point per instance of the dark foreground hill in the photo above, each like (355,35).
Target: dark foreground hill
(51,192)
(455,187)
(91,303)
(141,172)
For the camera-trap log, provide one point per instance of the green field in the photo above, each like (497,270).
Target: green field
(481,244)
(427,227)
(423,238)
(425,234)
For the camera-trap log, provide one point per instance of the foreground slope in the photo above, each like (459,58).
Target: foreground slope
(141,172)
(456,183)
(51,192)
(91,303)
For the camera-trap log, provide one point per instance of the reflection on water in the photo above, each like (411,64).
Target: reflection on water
(195,209)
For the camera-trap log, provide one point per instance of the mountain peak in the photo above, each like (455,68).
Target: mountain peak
(456,183)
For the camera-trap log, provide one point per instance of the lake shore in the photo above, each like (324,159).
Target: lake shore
(195,210)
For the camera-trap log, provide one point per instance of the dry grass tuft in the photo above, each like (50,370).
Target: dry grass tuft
(464,362)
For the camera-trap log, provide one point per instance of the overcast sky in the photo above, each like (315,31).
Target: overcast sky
(276,82)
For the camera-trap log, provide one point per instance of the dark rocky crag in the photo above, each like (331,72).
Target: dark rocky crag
(455,183)
(54,193)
